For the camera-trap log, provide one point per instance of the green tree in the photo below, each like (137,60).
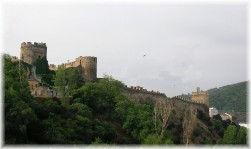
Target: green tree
(17,102)
(97,141)
(100,96)
(241,136)
(157,139)
(67,80)
(230,135)
(42,69)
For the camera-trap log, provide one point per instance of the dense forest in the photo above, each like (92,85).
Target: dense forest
(230,98)
(89,113)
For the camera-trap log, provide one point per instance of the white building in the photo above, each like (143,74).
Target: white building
(213,111)
(244,125)
(226,116)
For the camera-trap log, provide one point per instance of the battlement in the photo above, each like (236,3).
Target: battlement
(86,58)
(30,52)
(200,96)
(140,89)
(200,93)
(88,65)
(35,44)
(79,61)
(188,101)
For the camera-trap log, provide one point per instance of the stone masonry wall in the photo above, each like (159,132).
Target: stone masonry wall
(200,97)
(185,111)
(31,51)
(88,65)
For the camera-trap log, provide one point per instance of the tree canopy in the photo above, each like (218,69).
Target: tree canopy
(96,113)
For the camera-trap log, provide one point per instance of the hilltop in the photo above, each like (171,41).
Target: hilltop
(104,112)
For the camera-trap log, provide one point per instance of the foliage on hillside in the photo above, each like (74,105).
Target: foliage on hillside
(97,113)
(235,135)
(232,98)
(18,111)
(42,69)
(66,80)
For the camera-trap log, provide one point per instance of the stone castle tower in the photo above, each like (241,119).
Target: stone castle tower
(200,96)
(30,52)
(87,64)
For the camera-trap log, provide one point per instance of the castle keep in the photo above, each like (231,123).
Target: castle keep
(31,52)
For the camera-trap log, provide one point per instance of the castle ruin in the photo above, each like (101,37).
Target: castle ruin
(87,65)
(30,52)
(200,97)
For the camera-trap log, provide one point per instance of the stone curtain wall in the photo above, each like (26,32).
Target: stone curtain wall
(186,111)
(88,65)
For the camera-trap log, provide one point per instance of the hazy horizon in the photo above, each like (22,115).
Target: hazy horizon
(169,48)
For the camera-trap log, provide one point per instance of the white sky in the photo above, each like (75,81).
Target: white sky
(185,45)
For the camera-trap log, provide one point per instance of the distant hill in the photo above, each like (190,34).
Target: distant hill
(231,98)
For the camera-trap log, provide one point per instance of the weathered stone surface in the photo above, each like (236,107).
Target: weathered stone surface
(32,51)
(186,112)
(200,97)
(38,90)
(87,64)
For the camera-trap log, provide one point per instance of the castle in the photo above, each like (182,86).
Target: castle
(87,65)
(200,97)
(186,111)
(30,52)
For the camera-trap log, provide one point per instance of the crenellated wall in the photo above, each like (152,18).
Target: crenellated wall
(200,97)
(140,94)
(186,111)
(88,65)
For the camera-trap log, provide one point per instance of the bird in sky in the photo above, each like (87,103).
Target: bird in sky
(144,55)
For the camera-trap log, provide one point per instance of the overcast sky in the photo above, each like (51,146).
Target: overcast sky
(185,46)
